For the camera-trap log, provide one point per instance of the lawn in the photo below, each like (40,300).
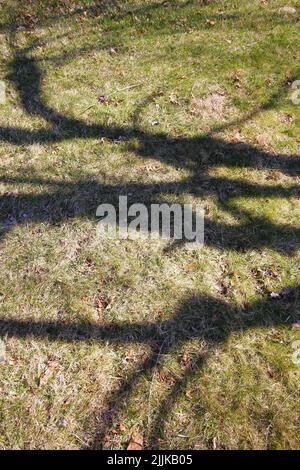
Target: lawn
(110,344)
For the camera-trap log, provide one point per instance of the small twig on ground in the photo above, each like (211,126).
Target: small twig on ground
(92,105)
(124,89)
(113,93)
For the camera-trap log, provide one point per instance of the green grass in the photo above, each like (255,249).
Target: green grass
(109,339)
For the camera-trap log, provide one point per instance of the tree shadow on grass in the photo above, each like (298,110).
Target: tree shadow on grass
(197,317)
(80,199)
(43,14)
(197,155)
(201,317)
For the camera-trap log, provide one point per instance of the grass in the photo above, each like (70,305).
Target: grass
(106,340)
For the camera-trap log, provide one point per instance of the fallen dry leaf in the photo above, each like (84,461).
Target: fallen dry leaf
(122,427)
(103,99)
(173,99)
(185,361)
(289,118)
(136,442)
(101,304)
(274,175)
(191,267)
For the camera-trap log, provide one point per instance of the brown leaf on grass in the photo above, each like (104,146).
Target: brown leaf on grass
(122,427)
(147,168)
(288,117)
(90,264)
(166,378)
(45,377)
(106,443)
(119,429)
(136,442)
(46,371)
(134,446)
(236,137)
(274,175)
(237,75)
(101,304)
(191,267)
(185,360)
(103,99)
(39,270)
(173,99)
(189,394)
(160,314)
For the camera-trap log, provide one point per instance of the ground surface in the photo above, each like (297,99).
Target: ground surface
(111,344)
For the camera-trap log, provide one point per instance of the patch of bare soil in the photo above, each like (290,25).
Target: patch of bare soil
(214,106)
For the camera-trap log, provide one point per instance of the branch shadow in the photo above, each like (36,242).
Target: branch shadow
(197,155)
(203,317)
(197,317)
